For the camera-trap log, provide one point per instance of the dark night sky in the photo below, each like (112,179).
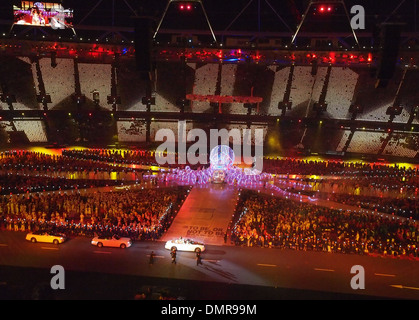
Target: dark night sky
(221,13)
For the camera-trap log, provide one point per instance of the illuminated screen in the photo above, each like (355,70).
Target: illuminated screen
(43,14)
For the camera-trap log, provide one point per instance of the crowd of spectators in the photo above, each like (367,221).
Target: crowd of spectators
(289,166)
(269,221)
(23,160)
(136,213)
(138,157)
(403,207)
(37,164)
(374,186)
(19,184)
(264,220)
(389,195)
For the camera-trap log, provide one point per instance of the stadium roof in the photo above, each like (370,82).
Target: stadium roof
(237,15)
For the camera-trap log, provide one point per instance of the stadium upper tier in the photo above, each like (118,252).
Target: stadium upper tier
(105,79)
(29,78)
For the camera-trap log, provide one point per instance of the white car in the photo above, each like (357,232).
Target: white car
(114,241)
(185,245)
(43,236)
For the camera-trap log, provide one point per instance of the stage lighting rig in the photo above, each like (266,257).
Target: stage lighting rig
(114,101)
(6,97)
(414,114)
(79,99)
(182,103)
(9,99)
(324,8)
(250,107)
(284,106)
(43,98)
(186,6)
(356,108)
(148,102)
(96,98)
(394,111)
(327,7)
(320,108)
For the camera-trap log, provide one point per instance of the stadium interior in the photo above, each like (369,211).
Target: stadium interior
(81,106)
(324,94)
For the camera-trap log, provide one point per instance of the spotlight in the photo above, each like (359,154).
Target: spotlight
(324,9)
(185,6)
(96,98)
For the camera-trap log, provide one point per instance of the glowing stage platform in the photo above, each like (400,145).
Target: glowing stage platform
(205,214)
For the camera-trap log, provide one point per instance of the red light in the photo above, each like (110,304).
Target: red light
(323,9)
(184,6)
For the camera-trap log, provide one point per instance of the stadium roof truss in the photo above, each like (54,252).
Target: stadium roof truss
(314,2)
(194,1)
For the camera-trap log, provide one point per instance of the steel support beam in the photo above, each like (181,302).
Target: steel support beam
(203,9)
(341,2)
